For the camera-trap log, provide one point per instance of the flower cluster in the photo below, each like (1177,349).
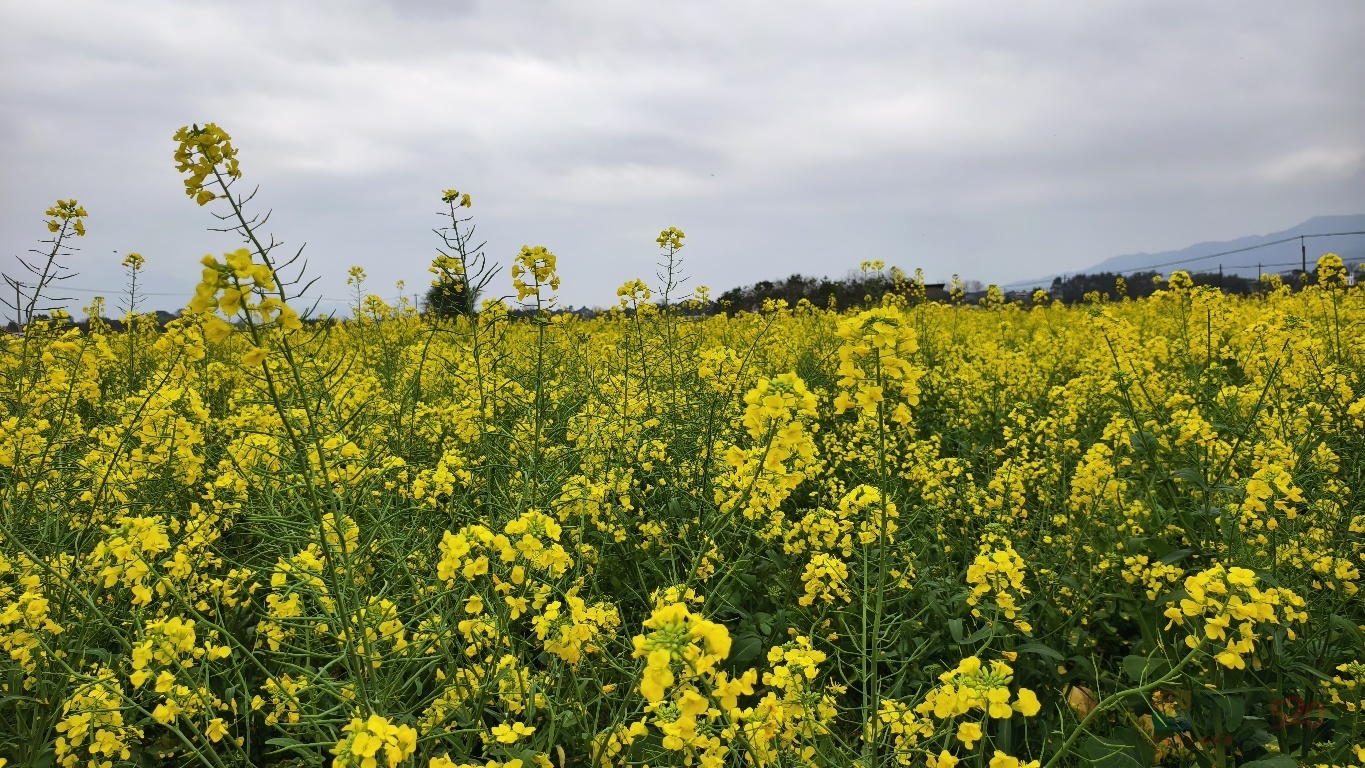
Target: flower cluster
(455,198)
(1272,483)
(1346,689)
(825,579)
(449,271)
(794,712)
(67,211)
(571,628)
(777,403)
(1228,609)
(996,577)
(1181,282)
(971,695)
(239,284)
(127,554)
(24,620)
(633,293)
(522,543)
(682,651)
(1331,271)
(1155,577)
(780,457)
(678,642)
(973,685)
(92,722)
(199,153)
(164,657)
(367,739)
(170,646)
(671,239)
(720,369)
(537,265)
(875,362)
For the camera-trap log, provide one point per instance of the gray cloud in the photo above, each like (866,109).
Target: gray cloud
(999,140)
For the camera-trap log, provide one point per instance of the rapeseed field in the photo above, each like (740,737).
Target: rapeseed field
(906,533)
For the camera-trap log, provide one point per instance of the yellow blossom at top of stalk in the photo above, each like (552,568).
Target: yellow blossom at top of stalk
(67,210)
(536,264)
(1331,271)
(633,292)
(199,153)
(671,239)
(455,198)
(876,360)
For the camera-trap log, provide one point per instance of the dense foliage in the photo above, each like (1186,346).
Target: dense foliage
(1076,289)
(851,291)
(904,534)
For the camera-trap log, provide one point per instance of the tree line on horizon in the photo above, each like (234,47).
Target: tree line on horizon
(858,288)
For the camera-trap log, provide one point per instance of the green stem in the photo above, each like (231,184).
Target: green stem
(1114,699)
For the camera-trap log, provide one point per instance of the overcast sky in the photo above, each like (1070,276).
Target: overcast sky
(998,140)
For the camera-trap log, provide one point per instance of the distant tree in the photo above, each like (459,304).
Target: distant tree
(1073,289)
(449,299)
(855,289)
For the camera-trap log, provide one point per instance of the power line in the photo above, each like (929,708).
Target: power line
(1250,266)
(1243,250)
(1193,259)
(107,294)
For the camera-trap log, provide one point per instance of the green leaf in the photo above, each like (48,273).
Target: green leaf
(765,622)
(287,744)
(955,627)
(1145,668)
(981,634)
(98,653)
(746,649)
(1345,625)
(1118,750)
(1175,556)
(1156,547)
(1041,650)
(1233,708)
(1192,476)
(1276,761)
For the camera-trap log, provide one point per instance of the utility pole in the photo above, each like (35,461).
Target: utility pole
(1220,278)
(1303,254)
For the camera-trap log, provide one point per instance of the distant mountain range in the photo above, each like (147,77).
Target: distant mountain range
(1280,257)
